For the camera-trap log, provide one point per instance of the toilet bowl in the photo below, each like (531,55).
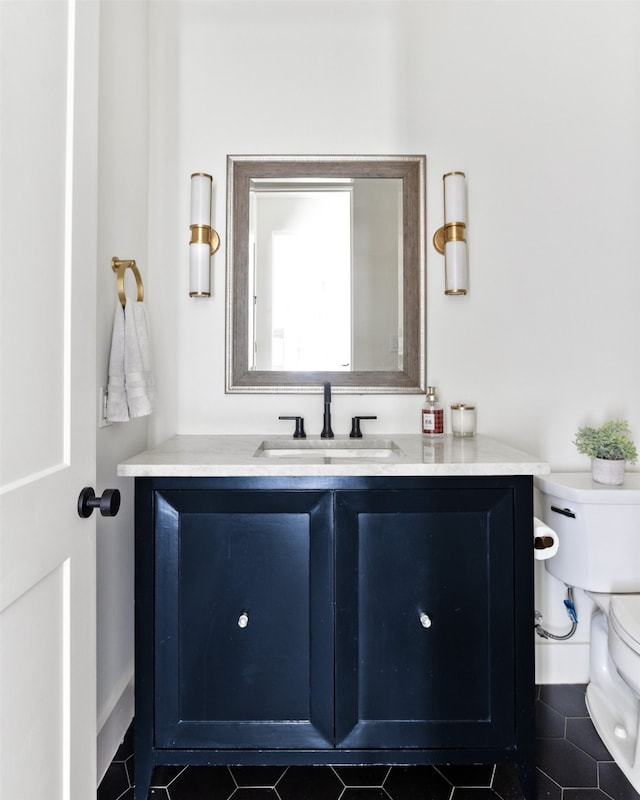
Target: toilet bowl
(624,637)
(598,529)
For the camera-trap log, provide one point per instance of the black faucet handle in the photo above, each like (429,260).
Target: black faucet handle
(356,433)
(299,431)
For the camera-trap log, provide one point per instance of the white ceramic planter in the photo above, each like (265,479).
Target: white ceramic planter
(609,471)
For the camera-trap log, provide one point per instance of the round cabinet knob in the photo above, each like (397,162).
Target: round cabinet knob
(243,620)
(425,620)
(109,503)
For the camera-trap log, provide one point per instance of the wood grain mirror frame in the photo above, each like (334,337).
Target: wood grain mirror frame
(241,170)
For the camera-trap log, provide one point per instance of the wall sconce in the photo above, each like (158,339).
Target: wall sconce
(204,240)
(451,240)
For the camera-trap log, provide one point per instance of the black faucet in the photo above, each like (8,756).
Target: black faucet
(327,433)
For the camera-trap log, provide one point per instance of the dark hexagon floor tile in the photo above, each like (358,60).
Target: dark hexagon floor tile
(115,782)
(474,793)
(566,764)
(547,789)
(367,793)
(158,793)
(581,732)
(202,783)
(468,775)
(417,783)
(130,764)
(163,775)
(550,724)
(126,748)
(257,776)
(584,794)
(255,793)
(362,776)
(506,783)
(309,783)
(568,699)
(614,782)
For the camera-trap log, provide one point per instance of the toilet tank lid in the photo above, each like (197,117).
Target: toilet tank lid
(580,487)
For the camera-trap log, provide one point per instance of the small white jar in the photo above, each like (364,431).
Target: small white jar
(463,420)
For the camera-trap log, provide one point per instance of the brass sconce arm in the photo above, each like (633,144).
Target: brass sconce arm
(205,234)
(451,232)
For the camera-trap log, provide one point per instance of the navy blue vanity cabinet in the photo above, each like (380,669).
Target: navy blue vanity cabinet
(334,620)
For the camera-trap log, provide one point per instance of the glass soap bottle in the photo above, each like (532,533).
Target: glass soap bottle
(432,414)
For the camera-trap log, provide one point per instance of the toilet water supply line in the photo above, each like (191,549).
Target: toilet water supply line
(571,611)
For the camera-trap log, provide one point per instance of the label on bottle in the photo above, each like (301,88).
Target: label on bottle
(433,421)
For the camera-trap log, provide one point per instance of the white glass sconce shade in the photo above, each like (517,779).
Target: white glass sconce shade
(204,240)
(199,269)
(455,268)
(201,198)
(455,198)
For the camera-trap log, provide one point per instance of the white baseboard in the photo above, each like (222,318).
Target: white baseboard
(113,722)
(562,662)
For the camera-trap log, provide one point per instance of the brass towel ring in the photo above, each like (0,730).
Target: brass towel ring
(120,267)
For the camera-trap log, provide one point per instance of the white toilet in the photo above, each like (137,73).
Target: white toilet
(598,529)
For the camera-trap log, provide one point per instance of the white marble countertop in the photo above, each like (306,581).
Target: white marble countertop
(403,455)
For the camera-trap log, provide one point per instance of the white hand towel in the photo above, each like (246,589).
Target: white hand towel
(117,409)
(138,367)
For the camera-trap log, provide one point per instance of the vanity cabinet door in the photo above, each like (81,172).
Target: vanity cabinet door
(425,618)
(244,615)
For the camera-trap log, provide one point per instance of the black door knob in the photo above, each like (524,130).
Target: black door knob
(108,504)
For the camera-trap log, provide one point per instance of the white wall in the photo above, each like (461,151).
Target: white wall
(123,203)
(538,102)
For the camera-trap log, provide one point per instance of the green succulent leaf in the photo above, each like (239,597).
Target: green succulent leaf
(611,441)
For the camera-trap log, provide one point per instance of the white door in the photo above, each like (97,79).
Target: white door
(48,186)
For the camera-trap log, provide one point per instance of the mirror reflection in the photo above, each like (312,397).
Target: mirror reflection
(326,302)
(325,273)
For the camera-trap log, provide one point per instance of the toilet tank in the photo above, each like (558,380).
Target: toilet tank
(598,530)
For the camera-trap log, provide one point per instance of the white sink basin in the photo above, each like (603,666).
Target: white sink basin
(333,449)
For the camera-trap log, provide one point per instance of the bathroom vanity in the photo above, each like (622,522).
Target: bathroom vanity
(334,604)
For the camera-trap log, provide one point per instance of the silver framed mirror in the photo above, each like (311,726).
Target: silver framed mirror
(325,274)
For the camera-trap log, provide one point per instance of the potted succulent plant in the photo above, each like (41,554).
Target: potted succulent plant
(609,448)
